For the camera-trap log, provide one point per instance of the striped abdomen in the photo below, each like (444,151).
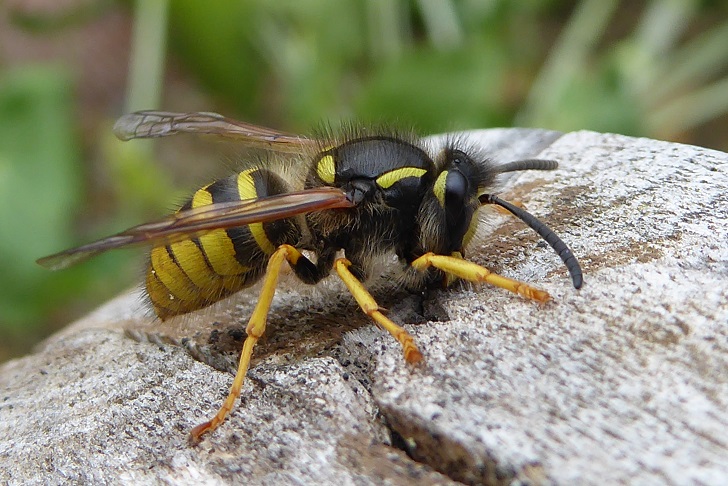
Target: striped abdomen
(192,274)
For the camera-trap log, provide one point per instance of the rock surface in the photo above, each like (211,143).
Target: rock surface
(623,381)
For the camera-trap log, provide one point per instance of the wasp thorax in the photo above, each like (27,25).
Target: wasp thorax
(382,170)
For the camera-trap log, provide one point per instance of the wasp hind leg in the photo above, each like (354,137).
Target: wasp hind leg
(369,306)
(254,330)
(472,272)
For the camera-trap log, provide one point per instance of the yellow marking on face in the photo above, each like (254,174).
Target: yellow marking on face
(439,187)
(326,169)
(246,188)
(388,179)
(472,228)
(172,275)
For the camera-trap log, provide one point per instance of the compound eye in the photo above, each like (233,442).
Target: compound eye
(458,208)
(456,190)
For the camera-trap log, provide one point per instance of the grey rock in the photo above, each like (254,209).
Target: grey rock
(623,381)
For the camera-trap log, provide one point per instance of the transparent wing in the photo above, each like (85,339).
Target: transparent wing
(193,223)
(155,124)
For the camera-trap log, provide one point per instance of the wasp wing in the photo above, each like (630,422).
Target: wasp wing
(192,223)
(155,124)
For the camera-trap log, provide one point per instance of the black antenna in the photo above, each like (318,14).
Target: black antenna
(527,164)
(572,265)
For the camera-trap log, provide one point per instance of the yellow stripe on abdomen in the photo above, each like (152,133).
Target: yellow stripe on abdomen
(172,276)
(191,260)
(246,189)
(165,304)
(216,244)
(220,253)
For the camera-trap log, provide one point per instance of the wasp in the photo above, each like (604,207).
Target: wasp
(322,205)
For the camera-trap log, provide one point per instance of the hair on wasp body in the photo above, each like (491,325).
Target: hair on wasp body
(363,194)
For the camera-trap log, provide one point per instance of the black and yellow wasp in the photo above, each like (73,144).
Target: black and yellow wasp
(366,195)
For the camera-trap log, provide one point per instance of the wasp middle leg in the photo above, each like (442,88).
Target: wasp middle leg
(371,308)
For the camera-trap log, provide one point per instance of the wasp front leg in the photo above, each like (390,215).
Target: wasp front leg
(472,272)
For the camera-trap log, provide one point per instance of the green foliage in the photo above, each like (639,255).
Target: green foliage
(39,183)
(440,91)
(442,65)
(40,195)
(214,39)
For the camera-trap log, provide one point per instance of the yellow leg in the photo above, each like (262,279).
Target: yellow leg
(255,329)
(475,273)
(369,306)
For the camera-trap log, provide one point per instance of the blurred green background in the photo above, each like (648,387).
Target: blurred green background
(68,69)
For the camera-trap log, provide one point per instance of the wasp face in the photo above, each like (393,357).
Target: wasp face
(448,214)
